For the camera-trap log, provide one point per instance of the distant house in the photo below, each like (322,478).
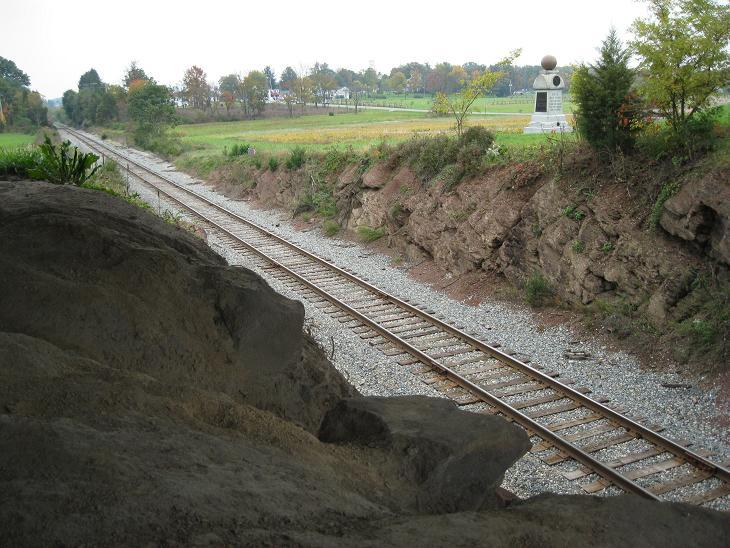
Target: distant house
(342,93)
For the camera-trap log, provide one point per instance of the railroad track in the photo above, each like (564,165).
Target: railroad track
(589,440)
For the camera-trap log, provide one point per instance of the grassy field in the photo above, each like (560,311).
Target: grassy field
(524,104)
(361,130)
(9,140)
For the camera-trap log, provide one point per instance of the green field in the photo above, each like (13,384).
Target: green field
(522,104)
(320,132)
(9,140)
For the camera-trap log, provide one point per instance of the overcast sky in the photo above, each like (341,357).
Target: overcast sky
(54,42)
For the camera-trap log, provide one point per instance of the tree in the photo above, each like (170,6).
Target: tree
(90,80)
(287,78)
(683,57)
(70,103)
(9,71)
(302,89)
(415,82)
(152,110)
(255,90)
(270,77)
(134,74)
(397,82)
(229,99)
(195,88)
(601,93)
(460,103)
(357,88)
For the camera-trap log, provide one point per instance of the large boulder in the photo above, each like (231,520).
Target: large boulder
(94,275)
(457,459)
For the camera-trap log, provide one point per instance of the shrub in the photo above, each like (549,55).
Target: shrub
(330,227)
(58,166)
(369,234)
(239,149)
(537,289)
(607,247)
(435,154)
(450,176)
(477,135)
(296,158)
(273,163)
(578,246)
(470,158)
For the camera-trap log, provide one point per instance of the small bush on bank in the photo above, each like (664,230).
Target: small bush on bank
(330,228)
(273,163)
(537,290)
(369,234)
(238,149)
(296,158)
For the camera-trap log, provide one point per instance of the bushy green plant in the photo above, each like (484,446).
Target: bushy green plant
(607,247)
(330,227)
(477,135)
(296,158)
(238,149)
(370,234)
(578,246)
(273,163)
(58,166)
(537,289)
(435,153)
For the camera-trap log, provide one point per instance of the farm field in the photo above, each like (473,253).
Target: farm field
(522,103)
(10,140)
(319,132)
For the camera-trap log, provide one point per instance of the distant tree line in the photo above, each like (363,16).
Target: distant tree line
(20,108)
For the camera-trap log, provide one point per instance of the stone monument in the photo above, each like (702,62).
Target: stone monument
(549,86)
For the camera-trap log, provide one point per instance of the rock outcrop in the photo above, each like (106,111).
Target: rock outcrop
(456,459)
(136,294)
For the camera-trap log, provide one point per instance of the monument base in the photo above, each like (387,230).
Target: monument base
(548,123)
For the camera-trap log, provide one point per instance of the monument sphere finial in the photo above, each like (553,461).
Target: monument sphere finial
(549,62)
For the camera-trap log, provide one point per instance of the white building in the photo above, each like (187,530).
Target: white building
(342,93)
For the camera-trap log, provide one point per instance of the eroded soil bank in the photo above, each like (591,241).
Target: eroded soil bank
(143,399)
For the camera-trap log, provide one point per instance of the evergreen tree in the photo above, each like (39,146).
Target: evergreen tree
(606,110)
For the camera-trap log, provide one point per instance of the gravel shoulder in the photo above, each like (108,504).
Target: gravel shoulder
(689,413)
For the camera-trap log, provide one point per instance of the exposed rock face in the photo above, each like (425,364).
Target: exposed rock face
(516,221)
(700,213)
(129,292)
(456,459)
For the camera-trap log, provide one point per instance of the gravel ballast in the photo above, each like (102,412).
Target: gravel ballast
(689,414)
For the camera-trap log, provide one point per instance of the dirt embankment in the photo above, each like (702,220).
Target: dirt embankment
(144,400)
(585,234)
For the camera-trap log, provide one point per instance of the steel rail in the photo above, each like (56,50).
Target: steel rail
(574,452)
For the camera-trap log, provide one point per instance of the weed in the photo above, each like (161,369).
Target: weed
(607,247)
(578,246)
(405,189)
(170,217)
(668,190)
(58,166)
(236,150)
(296,158)
(537,289)
(396,209)
(369,234)
(572,212)
(330,228)
(536,230)
(273,163)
